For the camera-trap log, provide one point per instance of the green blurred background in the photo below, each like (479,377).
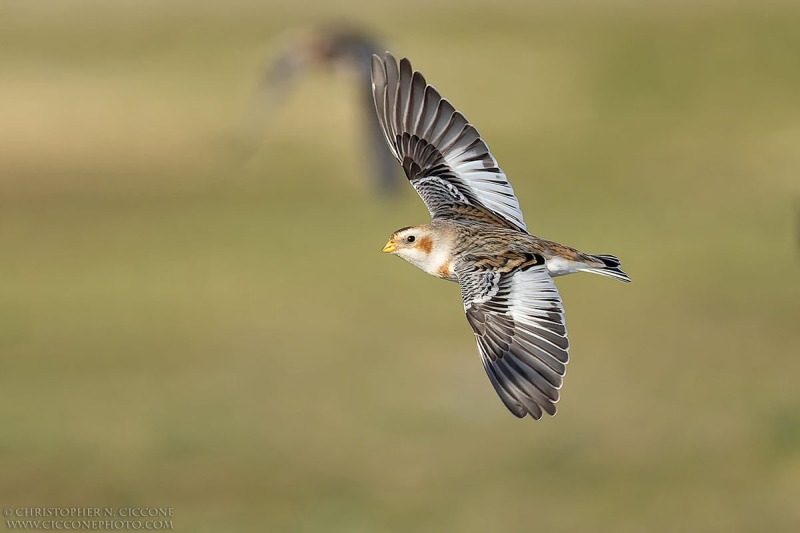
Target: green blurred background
(178,329)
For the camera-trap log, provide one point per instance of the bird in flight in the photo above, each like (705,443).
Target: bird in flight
(325,46)
(477,237)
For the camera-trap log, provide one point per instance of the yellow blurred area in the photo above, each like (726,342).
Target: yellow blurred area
(181,329)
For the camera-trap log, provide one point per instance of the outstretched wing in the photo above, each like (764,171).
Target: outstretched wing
(442,154)
(518,322)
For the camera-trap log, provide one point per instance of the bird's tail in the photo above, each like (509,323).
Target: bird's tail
(607,265)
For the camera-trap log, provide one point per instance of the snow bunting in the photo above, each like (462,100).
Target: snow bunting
(477,237)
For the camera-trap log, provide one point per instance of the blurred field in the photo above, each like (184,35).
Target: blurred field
(180,330)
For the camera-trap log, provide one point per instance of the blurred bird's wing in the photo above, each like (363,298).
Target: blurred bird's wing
(387,175)
(518,322)
(442,154)
(268,97)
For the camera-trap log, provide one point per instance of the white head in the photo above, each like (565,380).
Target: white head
(414,244)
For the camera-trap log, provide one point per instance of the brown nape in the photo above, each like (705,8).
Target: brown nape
(425,244)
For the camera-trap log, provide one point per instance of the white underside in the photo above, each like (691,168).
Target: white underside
(439,257)
(558,266)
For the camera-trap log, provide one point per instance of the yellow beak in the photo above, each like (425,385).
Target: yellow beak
(389,248)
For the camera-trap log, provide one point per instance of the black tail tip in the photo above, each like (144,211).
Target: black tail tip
(611,268)
(610,261)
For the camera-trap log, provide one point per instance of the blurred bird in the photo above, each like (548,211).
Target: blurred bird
(477,237)
(334,45)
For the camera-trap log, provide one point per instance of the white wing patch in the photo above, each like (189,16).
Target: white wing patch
(518,321)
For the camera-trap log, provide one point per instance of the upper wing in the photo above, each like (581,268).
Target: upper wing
(518,322)
(442,154)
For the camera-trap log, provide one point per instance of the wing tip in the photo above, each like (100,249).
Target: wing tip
(378,73)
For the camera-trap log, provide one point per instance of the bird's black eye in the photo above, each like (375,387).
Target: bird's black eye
(410,238)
